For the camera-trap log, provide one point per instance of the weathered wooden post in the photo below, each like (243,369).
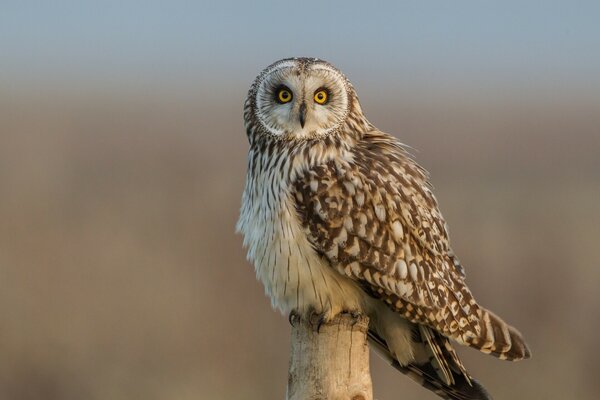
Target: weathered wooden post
(331,364)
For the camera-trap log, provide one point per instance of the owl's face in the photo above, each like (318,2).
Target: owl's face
(300,98)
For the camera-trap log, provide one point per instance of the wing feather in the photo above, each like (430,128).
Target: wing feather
(375,219)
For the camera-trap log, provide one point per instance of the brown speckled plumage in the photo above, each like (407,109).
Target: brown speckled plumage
(337,216)
(376,220)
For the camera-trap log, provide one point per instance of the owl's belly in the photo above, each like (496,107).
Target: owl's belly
(295,277)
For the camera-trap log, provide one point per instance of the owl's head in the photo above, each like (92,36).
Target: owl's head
(299,98)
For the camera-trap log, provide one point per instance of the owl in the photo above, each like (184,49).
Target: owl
(338,217)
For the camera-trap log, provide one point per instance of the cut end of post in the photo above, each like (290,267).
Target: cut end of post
(331,362)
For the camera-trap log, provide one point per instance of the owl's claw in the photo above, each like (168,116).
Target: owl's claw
(293,317)
(317,319)
(320,322)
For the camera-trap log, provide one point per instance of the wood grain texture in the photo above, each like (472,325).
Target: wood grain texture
(332,363)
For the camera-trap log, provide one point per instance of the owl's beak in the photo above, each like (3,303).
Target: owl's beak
(302,115)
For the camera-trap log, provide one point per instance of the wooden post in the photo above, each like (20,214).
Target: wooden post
(332,364)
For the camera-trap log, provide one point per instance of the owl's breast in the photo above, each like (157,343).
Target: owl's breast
(294,275)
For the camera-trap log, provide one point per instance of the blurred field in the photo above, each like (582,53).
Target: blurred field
(121,276)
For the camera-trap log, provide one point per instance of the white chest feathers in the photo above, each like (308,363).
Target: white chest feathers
(295,277)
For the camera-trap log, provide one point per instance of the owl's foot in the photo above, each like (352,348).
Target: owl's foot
(317,319)
(354,314)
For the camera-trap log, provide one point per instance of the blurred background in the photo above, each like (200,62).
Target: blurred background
(122,162)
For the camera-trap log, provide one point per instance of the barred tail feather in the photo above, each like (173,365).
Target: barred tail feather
(500,339)
(427,375)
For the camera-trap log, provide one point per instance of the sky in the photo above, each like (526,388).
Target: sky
(220,43)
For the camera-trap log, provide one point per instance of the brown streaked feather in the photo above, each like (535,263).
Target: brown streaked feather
(450,354)
(463,388)
(437,360)
(376,220)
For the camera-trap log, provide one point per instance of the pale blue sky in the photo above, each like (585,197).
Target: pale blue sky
(228,42)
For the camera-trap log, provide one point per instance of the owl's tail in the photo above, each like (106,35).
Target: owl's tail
(443,374)
(499,339)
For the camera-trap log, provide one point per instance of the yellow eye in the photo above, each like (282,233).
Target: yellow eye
(284,95)
(321,96)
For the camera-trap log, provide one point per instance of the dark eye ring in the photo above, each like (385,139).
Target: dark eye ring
(321,96)
(283,95)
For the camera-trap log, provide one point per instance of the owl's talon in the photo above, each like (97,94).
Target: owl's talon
(317,319)
(320,322)
(293,317)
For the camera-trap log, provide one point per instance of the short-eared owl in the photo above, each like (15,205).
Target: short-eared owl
(338,217)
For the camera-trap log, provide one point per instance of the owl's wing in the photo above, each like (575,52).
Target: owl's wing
(375,219)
